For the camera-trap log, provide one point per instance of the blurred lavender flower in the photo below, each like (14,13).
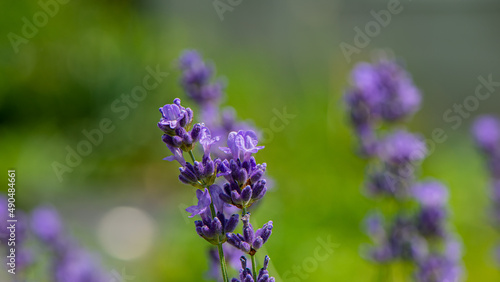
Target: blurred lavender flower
(383,90)
(196,79)
(401,147)
(486,132)
(383,93)
(250,241)
(246,273)
(442,267)
(70,262)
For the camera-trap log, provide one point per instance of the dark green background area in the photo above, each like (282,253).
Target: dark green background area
(273,55)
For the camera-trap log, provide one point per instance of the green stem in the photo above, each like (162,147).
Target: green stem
(191,155)
(244,211)
(254,268)
(222,260)
(222,263)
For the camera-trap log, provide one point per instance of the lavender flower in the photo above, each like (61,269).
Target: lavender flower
(238,167)
(244,186)
(176,123)
(486,131)
(242,144)
(250,241)
(246,273)
(385,91)
(70,262)
(401,147)
(442,267)
(382,91)
(212,229)
(381,94)
(174,116)
(196,79)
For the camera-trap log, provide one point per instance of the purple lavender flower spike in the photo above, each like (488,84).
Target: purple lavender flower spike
(250,241)
(383,93)
(246,273)
(245,185)
(203,203)
(214,230)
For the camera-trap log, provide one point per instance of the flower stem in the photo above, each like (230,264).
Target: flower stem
(222,259)
(222,263)
(191,155)
(244,211)
(254,268)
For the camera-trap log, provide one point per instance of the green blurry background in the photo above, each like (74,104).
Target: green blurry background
(274,54)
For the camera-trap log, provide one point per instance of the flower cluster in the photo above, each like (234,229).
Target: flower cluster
(486,132)
(250,241)
(381,94)
(244,184)
(246,273)
(240,177)
(382,91)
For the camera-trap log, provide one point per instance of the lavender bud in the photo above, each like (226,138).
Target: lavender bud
(225,198)
(257,243)
(235,196)
(232,223)
(207,232)
(245,247)
(246,194)
(188,174)
(195,132)
(256,175)
(233,240)
(258,188)
(216,226)
(241,176)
